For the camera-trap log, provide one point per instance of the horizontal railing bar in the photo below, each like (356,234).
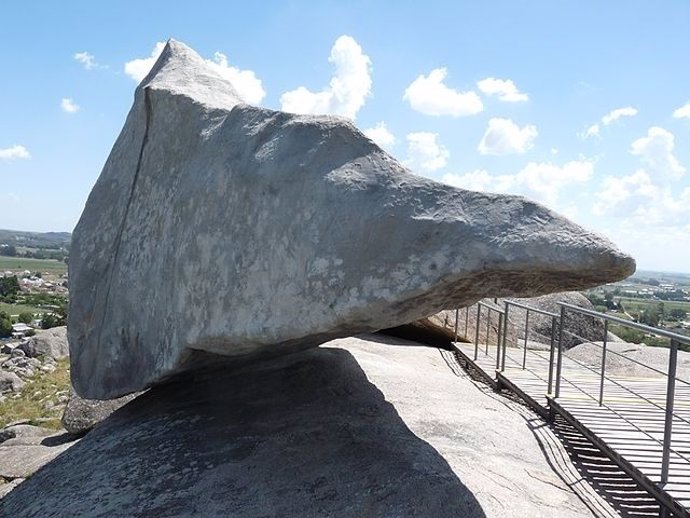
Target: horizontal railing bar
(530,308)
(628,323)
(610,351)
(492,307)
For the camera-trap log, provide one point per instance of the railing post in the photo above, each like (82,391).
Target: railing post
(559,361)
(505,337)
(498,341)
(552,354)
(668,422)
(467,320)
(476,331)
(524,350)
(457,312)
(603,363)
(488,327)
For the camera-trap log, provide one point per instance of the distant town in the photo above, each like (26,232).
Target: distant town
(34,291)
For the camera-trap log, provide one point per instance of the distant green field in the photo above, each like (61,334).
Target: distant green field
(15,309)
(632,304)
(33,265)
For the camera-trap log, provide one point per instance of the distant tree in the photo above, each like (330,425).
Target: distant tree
(608,297)
(9,286)
(8,250)
(30,332)
(26,317)
(49,321)
(39,275)
(649,317)
(677,314)
(595,299)
(5,325)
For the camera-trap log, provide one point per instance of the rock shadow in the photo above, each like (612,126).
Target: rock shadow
(304,435)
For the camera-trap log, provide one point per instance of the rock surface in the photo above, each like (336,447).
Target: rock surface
(22,456)
(258,231)
(365,426)
(82,415)
(10,382)
(50,342)
(618,364)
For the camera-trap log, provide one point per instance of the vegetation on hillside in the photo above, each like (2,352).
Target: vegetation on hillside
(41,401)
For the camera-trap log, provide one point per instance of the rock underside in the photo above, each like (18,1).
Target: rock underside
(225,228)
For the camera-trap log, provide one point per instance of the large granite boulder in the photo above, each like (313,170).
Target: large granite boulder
(82,415)
(220,227)
(50,342)
(351,429)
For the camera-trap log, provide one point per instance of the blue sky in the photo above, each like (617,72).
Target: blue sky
(583,106)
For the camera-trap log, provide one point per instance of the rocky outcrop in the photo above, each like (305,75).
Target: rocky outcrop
(368,426)
(24,449)
(10,382)
(50,342)
(263,232)
(579,328)
(82,415)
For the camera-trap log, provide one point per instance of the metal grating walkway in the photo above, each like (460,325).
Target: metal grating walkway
(626,427)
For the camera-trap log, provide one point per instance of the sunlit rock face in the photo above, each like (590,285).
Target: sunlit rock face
(225,228)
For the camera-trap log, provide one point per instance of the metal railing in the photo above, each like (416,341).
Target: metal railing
(675,340)
(557,352)
(554,325)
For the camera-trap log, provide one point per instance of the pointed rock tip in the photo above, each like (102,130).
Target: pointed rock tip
(182,70)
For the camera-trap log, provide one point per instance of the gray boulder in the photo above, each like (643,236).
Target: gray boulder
(579,328)
(22,456)
(81,415)
(10,382)
(50,342)
(220,227)
(359,427)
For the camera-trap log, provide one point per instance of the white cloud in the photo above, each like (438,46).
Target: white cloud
(642,203)
(348,89)
(621,195)
(381,135)
(138,68)
(505,89)
(429,95)
(503,136)
(592,131)
(656,151)
(683,112)
(245,82)
(14,152)
(541,181)
(86,59)
(424,153)
(616,114)
(607,120)
(69,106)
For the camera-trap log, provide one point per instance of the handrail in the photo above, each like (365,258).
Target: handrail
(559,333)
(491,306)
(652,330)
(530,308)
(628,358)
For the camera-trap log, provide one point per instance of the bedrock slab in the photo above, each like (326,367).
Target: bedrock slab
(350,429)
(227,228)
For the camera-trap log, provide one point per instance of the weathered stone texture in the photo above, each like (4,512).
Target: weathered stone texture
(222,227)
